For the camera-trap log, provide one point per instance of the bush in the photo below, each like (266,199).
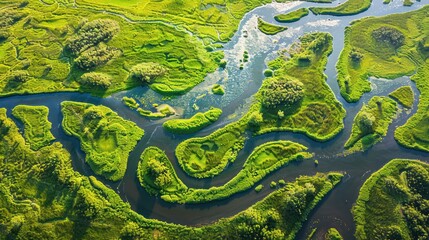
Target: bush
(95,56)
(18,76)
(147,72)
(259,188)
(355,55)
(95,79)
(389,35)
(91,34)
(281,92)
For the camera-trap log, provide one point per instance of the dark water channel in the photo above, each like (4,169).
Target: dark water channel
(335,209)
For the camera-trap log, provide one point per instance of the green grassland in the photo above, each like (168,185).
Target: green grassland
(193,124)
(42,197)
(163,181)
(404,95)
(37,128)
(350,7)
(269,28)
(371,123)
(42,50)
(318,114)
(105,137)
(214,20)
(363,55)
(392,203)
(390,60)
(292,16)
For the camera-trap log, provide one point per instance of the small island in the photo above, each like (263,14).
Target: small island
(193,124)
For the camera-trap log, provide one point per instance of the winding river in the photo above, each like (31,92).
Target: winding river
(240,85)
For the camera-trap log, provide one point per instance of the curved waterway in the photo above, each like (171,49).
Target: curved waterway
(241,85)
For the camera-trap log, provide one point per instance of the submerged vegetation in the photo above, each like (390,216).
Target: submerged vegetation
(393,202)
(268,28)
(194,124)
(158,177)
(371,123)
(105,137)
(37,128)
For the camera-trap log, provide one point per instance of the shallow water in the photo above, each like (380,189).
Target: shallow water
(240,85)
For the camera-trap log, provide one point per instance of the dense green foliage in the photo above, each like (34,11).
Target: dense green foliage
(96,80)
(389,35)
(333,234)
(281,93)
(371,123)
(393,202)
(147,72)
(292,16)
(130,102)
(404,95)
(59,42)
(105,137)
(350,7)
(37,128)
(157,175)
(194,124)
(269,28)
(265,159)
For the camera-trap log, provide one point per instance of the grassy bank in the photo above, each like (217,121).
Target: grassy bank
(350,7)
(158,177)
(404,95)
(268,28)
(292,16)
(371,124)
(105,137)
(37,128)
(194,124)
(392,202)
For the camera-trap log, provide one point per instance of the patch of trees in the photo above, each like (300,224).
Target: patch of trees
(282,92)
(95,79)
(89,47)
(366,122)
(389,35)
(147,72)
(355,55)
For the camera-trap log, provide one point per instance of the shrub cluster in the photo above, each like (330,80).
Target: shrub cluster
(281,92)
(95,56)
(147,72)
(389,35)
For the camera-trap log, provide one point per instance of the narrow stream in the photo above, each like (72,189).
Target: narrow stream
(241,85)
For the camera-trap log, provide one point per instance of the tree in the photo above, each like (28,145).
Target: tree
(95,79)
(366,122)
(255,121)
(95,56)
(147,72)
(281,92)
(389,35)
(355,55)
(159,172)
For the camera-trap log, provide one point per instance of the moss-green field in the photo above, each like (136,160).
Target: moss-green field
(105,137)
(193,124)
(350,7)
(292,16)
(268,28)
(404,95)
(392,203)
